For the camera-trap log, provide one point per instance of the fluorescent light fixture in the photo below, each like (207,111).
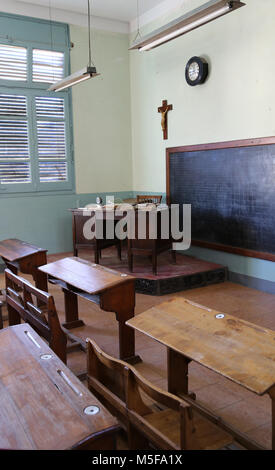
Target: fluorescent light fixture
(192,20)
(75,78)
(81,75)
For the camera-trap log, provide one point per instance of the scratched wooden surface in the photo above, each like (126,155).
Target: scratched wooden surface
(13,249)
(239,350)
(240,407)
(83,275)
(39,409)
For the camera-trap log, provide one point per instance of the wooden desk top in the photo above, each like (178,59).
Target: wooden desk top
(238,350)
(14,250)
(87,277)
(40,410)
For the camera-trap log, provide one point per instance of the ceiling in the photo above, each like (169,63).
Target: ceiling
(122,10)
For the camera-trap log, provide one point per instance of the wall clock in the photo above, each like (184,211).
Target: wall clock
(196,71)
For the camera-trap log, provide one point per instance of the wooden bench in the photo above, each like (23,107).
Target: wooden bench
(236,349)
(22,302)
(149,415)
(43,405)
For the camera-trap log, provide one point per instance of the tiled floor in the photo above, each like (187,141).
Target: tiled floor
(249,413)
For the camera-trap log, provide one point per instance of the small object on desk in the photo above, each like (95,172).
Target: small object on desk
(100,285)
(191,333)
(53,416)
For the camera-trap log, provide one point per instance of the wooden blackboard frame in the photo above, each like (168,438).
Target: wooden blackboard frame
(214,146)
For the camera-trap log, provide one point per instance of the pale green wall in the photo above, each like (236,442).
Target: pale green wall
(236,102)
(101,112)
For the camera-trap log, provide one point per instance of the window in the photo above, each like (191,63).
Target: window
(13,63)
(51,139)
(14,140)
(35,124)
(48,66)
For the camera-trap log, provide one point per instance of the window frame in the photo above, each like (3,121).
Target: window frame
(31,89)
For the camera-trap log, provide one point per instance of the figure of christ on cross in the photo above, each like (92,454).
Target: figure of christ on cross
(164,123)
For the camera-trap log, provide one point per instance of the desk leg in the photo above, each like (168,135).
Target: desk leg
(41,280)
(177,373)
(121,300)
(71,310)
(272,396)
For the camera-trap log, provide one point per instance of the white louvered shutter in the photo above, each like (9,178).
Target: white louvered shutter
(48,66)
(14,140)
(13,63)
(51,139)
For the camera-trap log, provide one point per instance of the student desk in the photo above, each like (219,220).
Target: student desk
(236,349)
(111,290)
(21,256)
(43,405)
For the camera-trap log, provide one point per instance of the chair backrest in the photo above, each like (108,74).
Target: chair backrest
(106,379)
(143,198)
(137,389)
(123,391)
(26,302)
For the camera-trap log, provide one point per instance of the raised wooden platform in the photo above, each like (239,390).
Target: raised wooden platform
(187,273)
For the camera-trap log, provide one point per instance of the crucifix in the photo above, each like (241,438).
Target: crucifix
(164,123)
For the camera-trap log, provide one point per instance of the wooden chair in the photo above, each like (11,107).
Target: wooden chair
(143,198)
(147,246)
(96,244)
(22,302)
(171,424)
(149,415)
(106,380)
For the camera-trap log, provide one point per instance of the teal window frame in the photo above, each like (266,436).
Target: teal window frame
(31,89)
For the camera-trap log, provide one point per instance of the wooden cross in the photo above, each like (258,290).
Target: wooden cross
(164,122)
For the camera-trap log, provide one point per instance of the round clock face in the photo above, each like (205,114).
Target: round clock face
(193,71)
(196,71)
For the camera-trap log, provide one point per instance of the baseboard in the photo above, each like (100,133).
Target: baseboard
(252,282)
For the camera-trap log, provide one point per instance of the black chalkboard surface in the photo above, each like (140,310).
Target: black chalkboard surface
(232,192)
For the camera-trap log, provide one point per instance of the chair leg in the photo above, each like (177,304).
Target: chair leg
(119,250)
(96,254)
(154,262)
(130,261)
(174,258)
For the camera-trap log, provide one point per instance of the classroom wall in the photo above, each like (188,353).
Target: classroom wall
(236,102)
(101,113)
(102,147)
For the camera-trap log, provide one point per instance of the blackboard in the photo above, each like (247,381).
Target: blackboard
(231,187)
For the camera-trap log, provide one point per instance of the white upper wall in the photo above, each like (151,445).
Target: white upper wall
(37,11)
(118,16)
